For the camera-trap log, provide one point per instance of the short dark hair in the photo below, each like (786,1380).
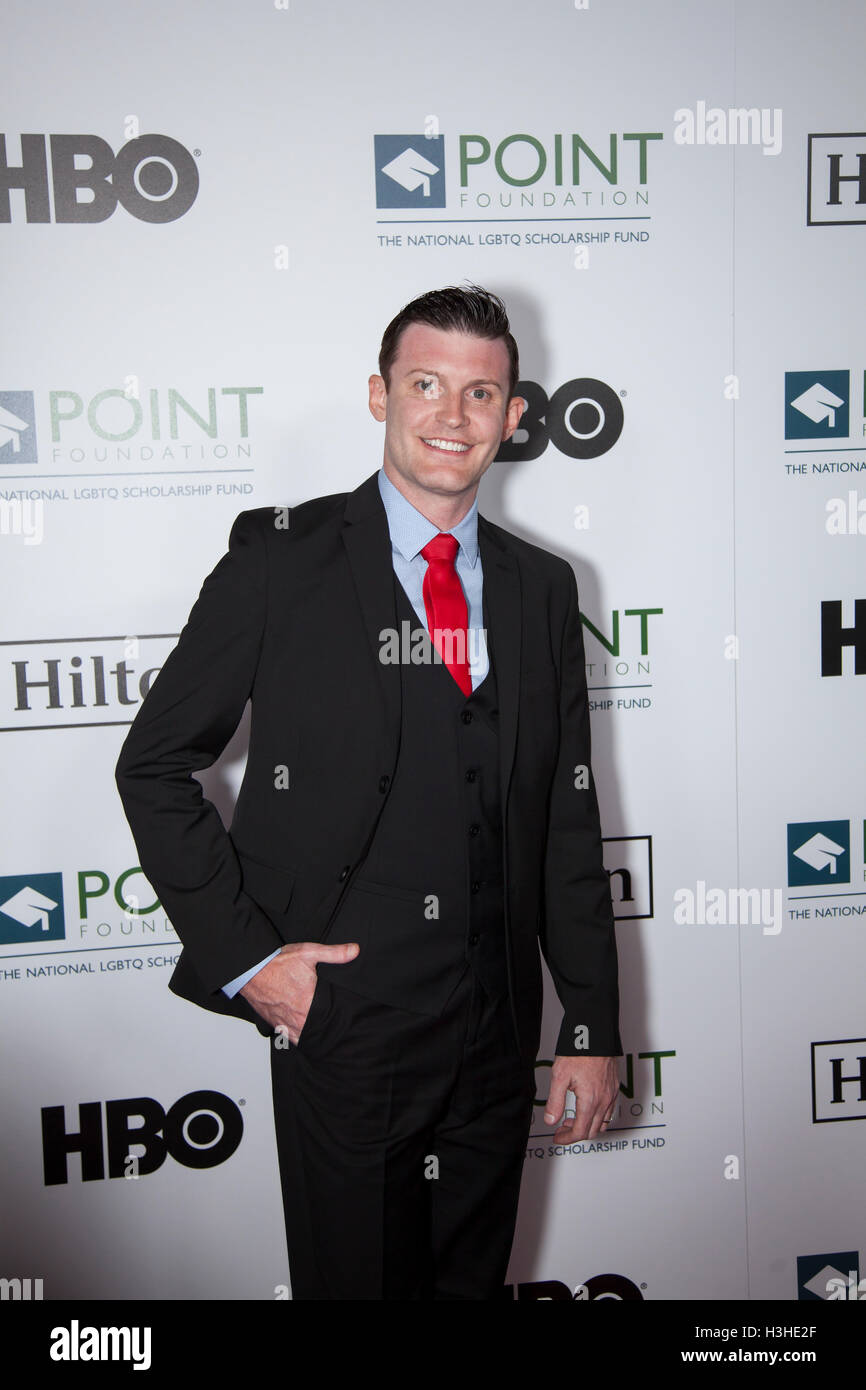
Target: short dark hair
(462,308)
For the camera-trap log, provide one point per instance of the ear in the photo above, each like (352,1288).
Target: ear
(378,397)
(514,410)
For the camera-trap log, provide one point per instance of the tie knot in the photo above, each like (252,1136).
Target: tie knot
(442,548)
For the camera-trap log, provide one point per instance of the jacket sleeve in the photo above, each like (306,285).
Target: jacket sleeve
(185,722)
(577,927)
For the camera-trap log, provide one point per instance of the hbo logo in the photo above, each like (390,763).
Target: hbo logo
(153,177)
(199,1131)
(583,419)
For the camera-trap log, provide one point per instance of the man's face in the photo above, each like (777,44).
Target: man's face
(446,412)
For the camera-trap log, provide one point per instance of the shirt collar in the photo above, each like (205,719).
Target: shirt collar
(410,531)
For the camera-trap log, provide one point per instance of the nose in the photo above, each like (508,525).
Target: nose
(452,409)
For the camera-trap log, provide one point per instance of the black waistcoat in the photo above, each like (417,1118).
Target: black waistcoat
(440,833)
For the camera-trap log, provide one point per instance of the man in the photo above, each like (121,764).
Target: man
(416,814)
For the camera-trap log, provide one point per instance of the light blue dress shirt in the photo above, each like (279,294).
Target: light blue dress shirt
(410,532)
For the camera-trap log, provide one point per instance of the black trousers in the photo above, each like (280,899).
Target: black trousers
(401,1140)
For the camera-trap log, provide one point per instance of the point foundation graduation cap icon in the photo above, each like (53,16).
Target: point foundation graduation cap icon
(819,403)
(820,852)
(820,1282)
(411,170)
(29,907)
(10,429)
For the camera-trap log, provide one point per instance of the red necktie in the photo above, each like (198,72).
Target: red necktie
(445,606)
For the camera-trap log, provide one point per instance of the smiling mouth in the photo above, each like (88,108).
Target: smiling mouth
(447,446)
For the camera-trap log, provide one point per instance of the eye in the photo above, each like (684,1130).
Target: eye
(479,393)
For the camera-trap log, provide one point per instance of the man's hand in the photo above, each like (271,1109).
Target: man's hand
(282,990)
(595,1083)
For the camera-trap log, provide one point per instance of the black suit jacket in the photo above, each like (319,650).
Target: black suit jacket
(291,619)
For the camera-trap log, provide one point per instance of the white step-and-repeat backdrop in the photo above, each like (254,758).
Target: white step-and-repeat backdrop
(209,212)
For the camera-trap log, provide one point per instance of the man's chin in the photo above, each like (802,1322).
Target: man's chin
(439,476)
(447,482)
(453,475)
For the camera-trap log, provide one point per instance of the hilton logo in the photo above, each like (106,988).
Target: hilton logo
(629,863)
(839,1080)
(836,180)
(835,637)
(78,682)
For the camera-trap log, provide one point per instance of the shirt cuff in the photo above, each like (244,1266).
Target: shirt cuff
(233,986)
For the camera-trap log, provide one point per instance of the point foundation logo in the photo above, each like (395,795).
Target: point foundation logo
(17,428)
(816,404)
(515,170)
(31,909)
(819,853)
(829,1277)
(128,424)
(557,170)
(114,908)
(625,659)
(410,171)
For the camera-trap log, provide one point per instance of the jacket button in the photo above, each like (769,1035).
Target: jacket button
(344,872)
(384,784)
(471,775)
(466,716)
(474,939)
(474,830)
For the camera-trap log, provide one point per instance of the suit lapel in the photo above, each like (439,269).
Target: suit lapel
(368,548)
(502,596)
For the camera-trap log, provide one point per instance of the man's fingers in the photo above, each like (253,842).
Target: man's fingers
(595,1084)
(555,1101)
(592,1116)
(335,955)
(282,991)
(592,1108)
(576,1128)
